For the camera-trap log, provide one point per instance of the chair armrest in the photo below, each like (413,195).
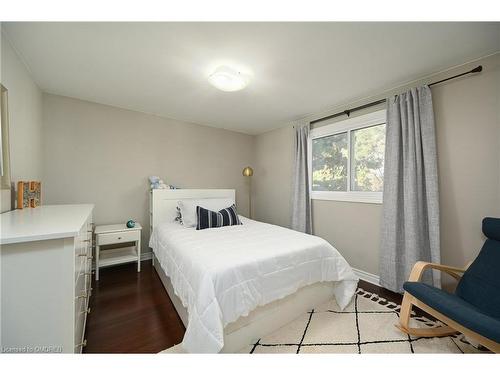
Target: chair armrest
(420,267)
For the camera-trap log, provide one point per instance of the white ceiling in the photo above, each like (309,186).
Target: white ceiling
(296,68)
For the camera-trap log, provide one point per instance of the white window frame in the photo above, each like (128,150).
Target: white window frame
(348,125)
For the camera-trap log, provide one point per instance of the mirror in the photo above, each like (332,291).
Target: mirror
(5,151)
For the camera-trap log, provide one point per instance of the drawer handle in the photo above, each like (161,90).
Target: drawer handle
(83,344)
(87,240)
(86,311)
(82,296)
(119,238)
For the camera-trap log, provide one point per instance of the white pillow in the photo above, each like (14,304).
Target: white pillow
(188,208)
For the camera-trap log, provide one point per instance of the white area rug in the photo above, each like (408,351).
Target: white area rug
(367,325)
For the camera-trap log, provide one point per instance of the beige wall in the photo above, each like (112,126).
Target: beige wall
(25,117)
(100,154)
(468,132)
(467,114)
(272,176)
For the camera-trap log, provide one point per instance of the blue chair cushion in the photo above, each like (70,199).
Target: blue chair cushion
(491,228)
(480,284)
(456,309)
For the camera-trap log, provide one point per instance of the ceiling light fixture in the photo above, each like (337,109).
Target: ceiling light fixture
(228,79)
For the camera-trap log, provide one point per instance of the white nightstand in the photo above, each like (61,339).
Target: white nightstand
(116,234)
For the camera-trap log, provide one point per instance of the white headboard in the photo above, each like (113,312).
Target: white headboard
(163,202)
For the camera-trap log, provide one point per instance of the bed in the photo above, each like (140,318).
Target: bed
(234,284)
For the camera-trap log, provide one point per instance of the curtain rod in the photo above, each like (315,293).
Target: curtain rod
(347,112)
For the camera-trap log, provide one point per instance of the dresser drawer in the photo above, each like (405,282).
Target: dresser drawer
(88,286)
(83,257)
(80,264)
(81,287)
(81,306)
(80,318)
(120,237)
(83,264)
(83,251)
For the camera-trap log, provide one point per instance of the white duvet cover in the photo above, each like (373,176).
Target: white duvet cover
(221,274)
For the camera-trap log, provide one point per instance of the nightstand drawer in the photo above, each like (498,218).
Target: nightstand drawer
(118,237)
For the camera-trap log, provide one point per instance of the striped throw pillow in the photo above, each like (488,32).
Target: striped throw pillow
(211,219)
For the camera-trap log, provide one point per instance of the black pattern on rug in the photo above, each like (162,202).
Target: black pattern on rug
(359,342)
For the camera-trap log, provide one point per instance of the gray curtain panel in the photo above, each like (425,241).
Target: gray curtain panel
(410,226)
(301,199)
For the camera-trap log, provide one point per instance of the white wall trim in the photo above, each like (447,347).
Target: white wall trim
(352,123)
(375,197)
(147,255)
(366,276)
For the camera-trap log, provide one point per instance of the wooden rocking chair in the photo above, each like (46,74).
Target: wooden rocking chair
(474,308)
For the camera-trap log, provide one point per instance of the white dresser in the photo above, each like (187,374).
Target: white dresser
(45,264)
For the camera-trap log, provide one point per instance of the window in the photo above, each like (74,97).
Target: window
(347,159)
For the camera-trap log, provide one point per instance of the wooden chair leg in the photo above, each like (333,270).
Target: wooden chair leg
(404,322)
(405,313)
(429,332)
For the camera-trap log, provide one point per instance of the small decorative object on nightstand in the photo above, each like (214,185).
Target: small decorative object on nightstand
(117,234)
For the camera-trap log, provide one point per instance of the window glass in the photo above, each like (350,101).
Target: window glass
(367,158)
(329,163)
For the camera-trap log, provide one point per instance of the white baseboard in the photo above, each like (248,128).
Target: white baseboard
(366,276)
(147,256)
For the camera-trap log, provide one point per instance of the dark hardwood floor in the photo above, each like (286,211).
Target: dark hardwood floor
(390,296)
(382,292)
(132,313)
